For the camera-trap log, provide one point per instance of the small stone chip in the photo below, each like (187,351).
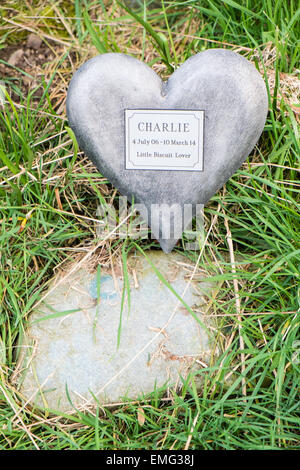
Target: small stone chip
(16,57)
(34,41)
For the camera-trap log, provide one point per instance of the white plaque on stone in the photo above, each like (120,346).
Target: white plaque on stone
(164,139)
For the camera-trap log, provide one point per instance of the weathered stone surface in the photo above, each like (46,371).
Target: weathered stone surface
(222,83)
(78,350)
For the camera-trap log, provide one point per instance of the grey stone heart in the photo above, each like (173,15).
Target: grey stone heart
(222,83)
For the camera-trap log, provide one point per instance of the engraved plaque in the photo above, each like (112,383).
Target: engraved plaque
(164,139)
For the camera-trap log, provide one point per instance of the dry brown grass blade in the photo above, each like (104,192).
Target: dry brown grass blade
(237,301)
(188,442)
(30,435)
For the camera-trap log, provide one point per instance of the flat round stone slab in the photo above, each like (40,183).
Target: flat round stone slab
(72,340)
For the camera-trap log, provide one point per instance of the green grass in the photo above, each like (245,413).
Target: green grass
(48,199)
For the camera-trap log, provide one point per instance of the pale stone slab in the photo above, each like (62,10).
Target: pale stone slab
(78,349)
(222,83)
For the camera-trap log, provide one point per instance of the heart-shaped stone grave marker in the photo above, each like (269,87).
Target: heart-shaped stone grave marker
(168,144)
